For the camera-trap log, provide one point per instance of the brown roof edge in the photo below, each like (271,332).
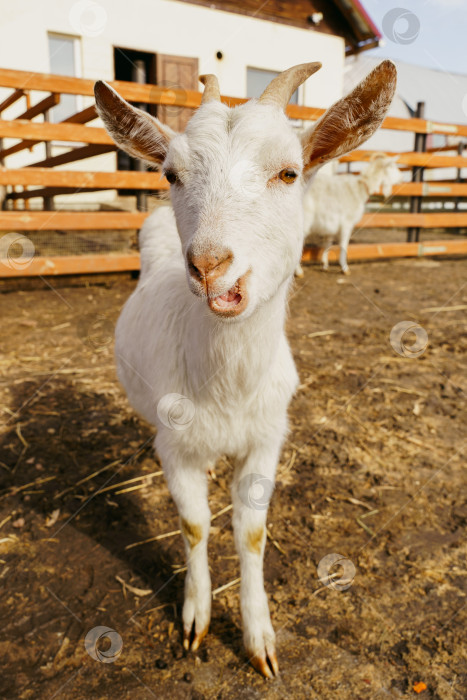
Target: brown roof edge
(361,10)
(345,18)
(366,46)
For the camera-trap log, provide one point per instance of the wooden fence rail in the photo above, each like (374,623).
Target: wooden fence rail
(40,178)
(112,220)
(154,181)
(153,94)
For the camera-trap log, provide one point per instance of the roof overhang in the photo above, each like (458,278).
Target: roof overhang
(345,18)
(364,32)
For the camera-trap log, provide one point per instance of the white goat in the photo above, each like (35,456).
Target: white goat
(200,345)
(334,204)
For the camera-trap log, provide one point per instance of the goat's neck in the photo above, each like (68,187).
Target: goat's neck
(236,355)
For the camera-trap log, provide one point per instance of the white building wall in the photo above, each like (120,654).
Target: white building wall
(169,27)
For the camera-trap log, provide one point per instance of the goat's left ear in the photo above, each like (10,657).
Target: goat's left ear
(132,129)
(351,120)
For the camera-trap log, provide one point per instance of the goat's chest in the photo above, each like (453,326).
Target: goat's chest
(243,401)
(234,381)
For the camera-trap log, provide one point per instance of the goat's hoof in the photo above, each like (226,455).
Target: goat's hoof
(192,639)
(299,272)
(265,663)
(346,271)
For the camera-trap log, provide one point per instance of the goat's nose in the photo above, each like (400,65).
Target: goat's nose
(208,267)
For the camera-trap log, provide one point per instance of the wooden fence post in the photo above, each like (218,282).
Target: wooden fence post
(460,151)
(139,76)
(49,204)
(413,232)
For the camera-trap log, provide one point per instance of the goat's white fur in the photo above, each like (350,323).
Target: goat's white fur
(237,372)
(334,204)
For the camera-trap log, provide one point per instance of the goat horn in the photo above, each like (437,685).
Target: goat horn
(211,88)
(280,90)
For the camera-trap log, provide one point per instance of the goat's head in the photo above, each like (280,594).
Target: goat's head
(391,175)
(236,177)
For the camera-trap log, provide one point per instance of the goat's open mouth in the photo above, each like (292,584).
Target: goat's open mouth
(228,300)
(232,302)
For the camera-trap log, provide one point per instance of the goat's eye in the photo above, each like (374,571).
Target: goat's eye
(288,175)
(171,177)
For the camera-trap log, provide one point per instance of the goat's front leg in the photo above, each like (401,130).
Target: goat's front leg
(251,491)
(344,244)
(188,486)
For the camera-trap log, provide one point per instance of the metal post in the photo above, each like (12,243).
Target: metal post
(48,201)
(2,164)
(138,75)
(460,151)
(413,232)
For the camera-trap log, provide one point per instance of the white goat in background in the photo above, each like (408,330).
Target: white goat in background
(334,204)
(200,345)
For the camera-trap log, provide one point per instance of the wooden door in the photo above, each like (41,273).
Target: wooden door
(180,73)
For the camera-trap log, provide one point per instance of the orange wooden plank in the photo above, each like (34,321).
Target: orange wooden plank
(11,99)
(293,111)
(88,264)
(24,129)
(46,177)
(40,192)
(47,82)
(424,126)
(395,220)
(70,156)
(151,94)
(439,149)
(427,160)
(44,220)
(30,113)
(17,147)
(134,92)
(82,221)
(430,189)
(82,117)
(401,124)
(374,251)
(86,115)
(431,160)
(41,107)
(72,265)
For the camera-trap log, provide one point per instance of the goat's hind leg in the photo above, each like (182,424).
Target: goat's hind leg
(325,255)
(251,491)
(299,271)
(187,483)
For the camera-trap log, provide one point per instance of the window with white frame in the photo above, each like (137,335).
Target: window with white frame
(257,81)
(64,60)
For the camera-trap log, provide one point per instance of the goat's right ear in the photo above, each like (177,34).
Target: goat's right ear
(132,129)
(352,120)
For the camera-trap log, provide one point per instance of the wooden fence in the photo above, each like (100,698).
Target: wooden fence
(85,141)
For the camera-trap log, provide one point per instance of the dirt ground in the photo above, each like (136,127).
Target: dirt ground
(372,471)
